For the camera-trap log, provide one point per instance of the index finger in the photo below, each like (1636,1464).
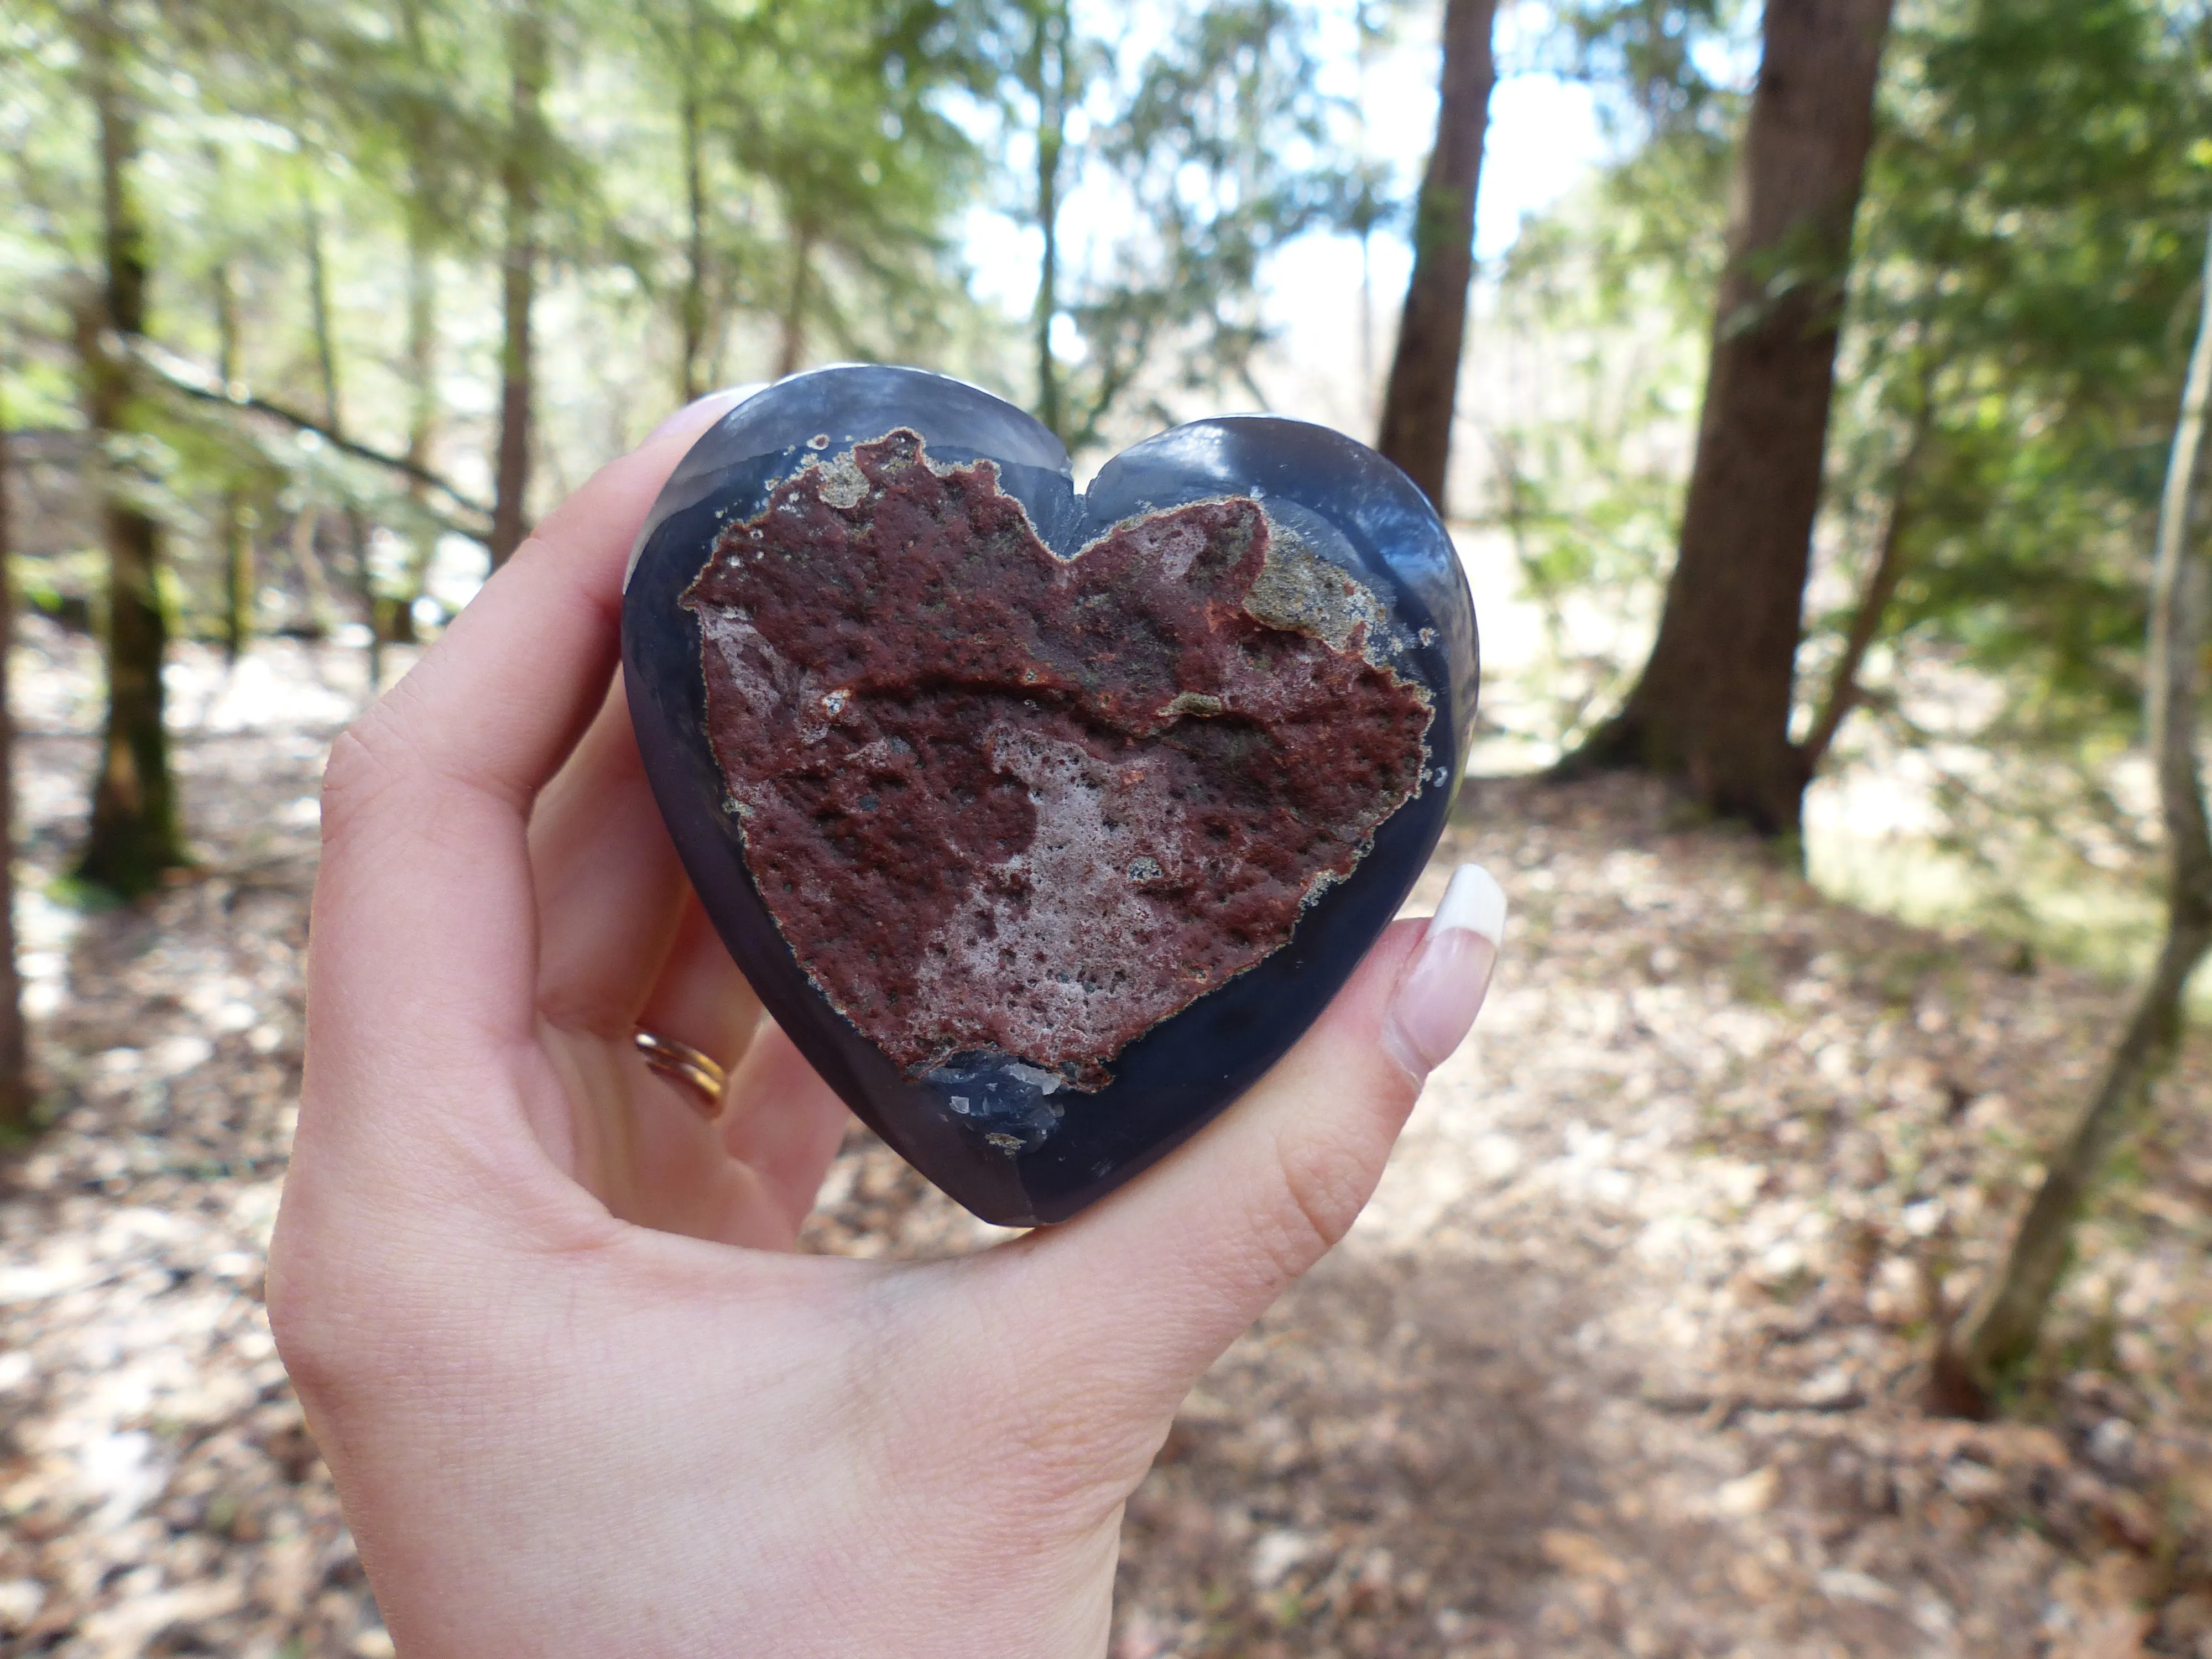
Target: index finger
(422,957)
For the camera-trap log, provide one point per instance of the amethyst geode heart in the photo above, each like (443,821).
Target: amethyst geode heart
(1041,824)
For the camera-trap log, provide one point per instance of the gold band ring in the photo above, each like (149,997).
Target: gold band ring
(680,1063)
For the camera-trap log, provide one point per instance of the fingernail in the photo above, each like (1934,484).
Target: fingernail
(1443,990)
(721,403)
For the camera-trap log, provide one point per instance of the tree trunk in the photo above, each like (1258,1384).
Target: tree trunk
(423,217)
(423,407)
(238,515)
(305,528)
(1999,1330)
(134,835)
(791,350)
(1046,71)
(526,52)
(1713,705)
(1416,407)
(15,1095)
(326,355)
(1365,34)
(1844,692)
(691,112)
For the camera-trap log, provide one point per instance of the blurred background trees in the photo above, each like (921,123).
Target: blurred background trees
(1418,404)
(1821,428)
(308,281)
(1713,704)
(1960,594)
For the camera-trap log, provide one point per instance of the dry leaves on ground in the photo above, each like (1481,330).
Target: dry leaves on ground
(1622,1359)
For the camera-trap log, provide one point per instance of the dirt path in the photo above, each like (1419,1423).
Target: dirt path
(1620,1360)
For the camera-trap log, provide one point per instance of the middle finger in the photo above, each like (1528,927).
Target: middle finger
(610,887)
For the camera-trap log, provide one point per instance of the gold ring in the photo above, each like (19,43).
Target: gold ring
(680,1063)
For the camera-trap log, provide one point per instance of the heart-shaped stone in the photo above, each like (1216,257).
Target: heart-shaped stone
(1043,824)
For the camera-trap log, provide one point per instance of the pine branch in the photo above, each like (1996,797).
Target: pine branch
(182,374)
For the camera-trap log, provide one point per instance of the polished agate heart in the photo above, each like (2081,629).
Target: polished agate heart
(1043,824)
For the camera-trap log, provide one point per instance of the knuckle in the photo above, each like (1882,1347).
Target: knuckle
(365,765)
(380,768)
(1327,1164)
(310,1339)
(353,1317)
(1325,1175)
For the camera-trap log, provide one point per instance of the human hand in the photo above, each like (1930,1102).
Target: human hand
(579,1396)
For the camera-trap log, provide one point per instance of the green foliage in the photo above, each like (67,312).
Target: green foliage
(822,143)
(820,170)
(1225,148)
(728,189)
(1659,57)
(1213,144)
(2027,258)
(2021,294)
(2025,286)
(1602,313)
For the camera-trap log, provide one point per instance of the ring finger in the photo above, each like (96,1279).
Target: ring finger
(700,1000)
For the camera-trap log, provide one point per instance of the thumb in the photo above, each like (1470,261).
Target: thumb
(1149,1286)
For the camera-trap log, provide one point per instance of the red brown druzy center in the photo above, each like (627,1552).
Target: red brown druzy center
(1000,800)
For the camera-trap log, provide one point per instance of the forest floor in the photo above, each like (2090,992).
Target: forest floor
(1623,1359)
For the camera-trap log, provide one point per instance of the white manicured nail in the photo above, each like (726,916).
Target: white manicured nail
(1443,990)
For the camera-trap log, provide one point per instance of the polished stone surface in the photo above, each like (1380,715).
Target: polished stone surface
(1076,1107)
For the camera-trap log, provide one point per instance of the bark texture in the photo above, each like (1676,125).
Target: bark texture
(1046,71)
(791,347)
(421,413)
(426,214)
(16,1098)
(1713,705)
(527,50)
(326,357)
(691,384)
(238,514)
(691,113)
(134,835)
(1999,1329)
(1417,408)
(1881,583)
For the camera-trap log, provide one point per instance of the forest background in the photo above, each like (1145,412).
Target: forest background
(397,278)
(307,311)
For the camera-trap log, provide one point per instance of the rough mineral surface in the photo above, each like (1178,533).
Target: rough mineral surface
(1000,800)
